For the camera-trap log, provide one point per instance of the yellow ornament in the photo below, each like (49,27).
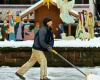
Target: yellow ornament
(47,2)
(18,19)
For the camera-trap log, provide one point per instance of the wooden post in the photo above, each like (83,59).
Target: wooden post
(27,17)
(69,29)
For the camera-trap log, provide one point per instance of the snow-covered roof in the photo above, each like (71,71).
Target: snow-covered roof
(58,43)
(28,10)
(33,7)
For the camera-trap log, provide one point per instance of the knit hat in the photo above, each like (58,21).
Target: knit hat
(46,20)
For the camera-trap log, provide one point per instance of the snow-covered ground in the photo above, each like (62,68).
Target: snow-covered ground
(58,43)
(58,73)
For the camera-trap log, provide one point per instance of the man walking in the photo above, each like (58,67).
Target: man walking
(43,41)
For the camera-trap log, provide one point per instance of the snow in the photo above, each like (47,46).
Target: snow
(93,77)
(78,43)
(58,43)
(16,44)
(54,73)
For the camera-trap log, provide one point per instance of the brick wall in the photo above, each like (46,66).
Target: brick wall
(78,56)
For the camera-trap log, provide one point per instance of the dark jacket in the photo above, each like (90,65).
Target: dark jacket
(43,39)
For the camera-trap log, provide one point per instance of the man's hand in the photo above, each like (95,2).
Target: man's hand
(49,48)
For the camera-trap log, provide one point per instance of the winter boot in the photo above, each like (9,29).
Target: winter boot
(46,78)
(21,77)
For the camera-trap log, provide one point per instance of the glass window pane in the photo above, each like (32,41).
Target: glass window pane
(98,1)
(22,1)
(78,1)
(1,2)
(81,1)
(86,1)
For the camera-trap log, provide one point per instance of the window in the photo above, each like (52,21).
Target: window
(81,1)
(1,2)
(18,1)
(97,1)
(34,1)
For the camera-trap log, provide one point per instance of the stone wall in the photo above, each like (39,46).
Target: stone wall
(78,56)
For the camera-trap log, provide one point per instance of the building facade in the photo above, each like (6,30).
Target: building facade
(33,1)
